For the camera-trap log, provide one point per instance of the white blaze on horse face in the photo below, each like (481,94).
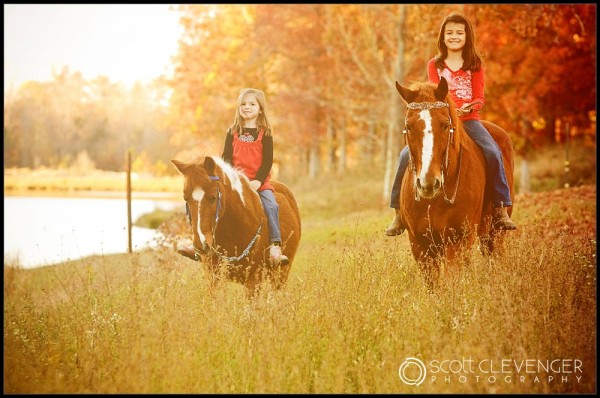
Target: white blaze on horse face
(427,150)
(198,194)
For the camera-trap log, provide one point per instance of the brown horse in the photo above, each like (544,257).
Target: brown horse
(230,227)
(445,203)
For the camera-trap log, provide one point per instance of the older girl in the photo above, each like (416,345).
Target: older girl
(460,64)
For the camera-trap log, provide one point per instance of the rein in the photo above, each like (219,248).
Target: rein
(435,105)
(246,251)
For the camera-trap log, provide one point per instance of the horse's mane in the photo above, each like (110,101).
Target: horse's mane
(227,173)
(233,174)
(421,86)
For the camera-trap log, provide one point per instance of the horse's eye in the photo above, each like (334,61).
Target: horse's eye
(212,198)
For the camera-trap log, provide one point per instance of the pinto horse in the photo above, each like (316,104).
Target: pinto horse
(446,202)
(230,226)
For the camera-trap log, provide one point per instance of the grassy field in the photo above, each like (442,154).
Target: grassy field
(354,309)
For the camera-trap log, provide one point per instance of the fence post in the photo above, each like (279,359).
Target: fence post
(129,201)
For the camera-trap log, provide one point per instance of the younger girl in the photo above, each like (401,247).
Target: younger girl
(249,147)
(460,64)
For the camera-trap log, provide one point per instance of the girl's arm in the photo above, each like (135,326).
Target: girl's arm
(267,159)
(477,85)
(228,148)
(432,74)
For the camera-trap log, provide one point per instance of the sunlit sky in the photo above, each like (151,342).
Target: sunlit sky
(124,42)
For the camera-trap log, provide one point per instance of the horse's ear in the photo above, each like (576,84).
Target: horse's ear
(181,166)
(406,94)
(442,89)
(209,165)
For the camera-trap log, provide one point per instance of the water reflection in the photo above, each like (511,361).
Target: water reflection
(41,231)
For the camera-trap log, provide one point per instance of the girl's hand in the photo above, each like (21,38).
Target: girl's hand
(255,184)
(464,110)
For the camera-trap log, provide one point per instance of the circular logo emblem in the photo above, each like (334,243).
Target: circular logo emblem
(408,379)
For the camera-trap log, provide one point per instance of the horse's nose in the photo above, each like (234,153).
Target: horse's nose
(429,188)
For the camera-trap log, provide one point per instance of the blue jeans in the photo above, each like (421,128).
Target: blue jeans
(397,187)
(272,211)
(493,162)
(271,207)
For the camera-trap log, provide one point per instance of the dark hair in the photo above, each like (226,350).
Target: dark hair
(471,58)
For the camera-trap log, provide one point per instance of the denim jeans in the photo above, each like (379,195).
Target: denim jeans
(272,211)
(496,176)
(397,187)
(271,207)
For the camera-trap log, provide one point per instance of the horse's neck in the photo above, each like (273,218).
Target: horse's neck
(243,214)
(462,138)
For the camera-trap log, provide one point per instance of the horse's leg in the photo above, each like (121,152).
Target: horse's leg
(426,258)
(486,236)
(214,280)
(455,258)
(486,244)
(457,243)
(251,291)
(215,275)
(430,269)
(253,284)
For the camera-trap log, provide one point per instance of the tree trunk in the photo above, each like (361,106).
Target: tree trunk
(342,146)
(330,160)
(313,160)
(525,182)
(394,109)
(368,148)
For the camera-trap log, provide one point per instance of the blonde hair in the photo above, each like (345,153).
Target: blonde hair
(263,119)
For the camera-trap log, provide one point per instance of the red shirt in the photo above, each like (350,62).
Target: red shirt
(248,157)
(464,86)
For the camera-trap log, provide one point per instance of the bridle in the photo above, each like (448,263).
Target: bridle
(231,259)
(434,105)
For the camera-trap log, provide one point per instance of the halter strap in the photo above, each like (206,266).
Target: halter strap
(434,105)
(427,105)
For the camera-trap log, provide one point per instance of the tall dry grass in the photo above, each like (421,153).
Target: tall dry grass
(355,307)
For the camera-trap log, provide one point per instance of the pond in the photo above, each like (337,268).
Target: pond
(41,231)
